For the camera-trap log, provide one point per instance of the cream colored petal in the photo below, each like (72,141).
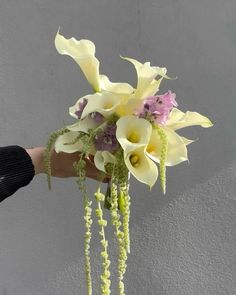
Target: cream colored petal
(141,167)
(105,103)
(83,52)
(122,88)
(83,125)
(67,138)
(187,141)
(101,158)
(75,107)
(176,152)
(145,76)
(133,132)
(152,88)
(178,120)
(128,108)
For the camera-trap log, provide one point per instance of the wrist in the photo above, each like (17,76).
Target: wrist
(37,158)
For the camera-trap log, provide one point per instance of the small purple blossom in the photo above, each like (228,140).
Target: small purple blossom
(97,117)
(82,105)
(106,141)
(157,108)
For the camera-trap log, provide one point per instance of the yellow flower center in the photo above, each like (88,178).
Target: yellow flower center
(151,148)
(134,160)
(108,105)
(133,137)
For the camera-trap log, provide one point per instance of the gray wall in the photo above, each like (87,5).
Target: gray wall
(182,243)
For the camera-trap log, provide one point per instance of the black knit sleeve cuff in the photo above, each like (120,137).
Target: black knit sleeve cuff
(16,170)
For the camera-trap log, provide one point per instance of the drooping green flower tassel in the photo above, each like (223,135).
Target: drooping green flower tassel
(164,149)
(115,217)
(105,287)
(124,202)
(47,153)
(80,167)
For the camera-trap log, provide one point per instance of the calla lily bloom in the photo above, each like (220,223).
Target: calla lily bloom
(141,167)
(83,52)
(83,125)
(146,74)
(62,143)
(105,103)
(178,119)
(133,132)
(101,158)
(176,151)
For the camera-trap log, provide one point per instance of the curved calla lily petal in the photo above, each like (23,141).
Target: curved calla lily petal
(67,138)
(133,132)
(83,125)
(62,144)
(121,88)
(145,76)
(141,167)
(83,52)
(178,119)
(187,141)
(101,158)
(176,152)
(105,103)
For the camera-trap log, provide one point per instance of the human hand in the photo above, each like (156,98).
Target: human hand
(62,164)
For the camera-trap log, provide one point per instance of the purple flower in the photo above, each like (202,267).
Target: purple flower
(82,105)
(106,141)
(97,117)
(157,108)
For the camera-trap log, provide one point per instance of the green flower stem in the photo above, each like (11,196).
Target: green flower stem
(47,153)
(105,287)
(80,170)
(164,149)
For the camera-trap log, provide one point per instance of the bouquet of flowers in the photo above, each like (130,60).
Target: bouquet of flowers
(127,131)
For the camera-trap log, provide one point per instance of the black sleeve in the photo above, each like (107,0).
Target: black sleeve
(16,170)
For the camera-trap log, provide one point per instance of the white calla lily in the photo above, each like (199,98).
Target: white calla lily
(62,143)
(141,167)
(105,103)
(83,125)
(146,74)
(120,88)
(83,52)
(67,138)
(101,158)
(133,132)
(176,151)
(178,119)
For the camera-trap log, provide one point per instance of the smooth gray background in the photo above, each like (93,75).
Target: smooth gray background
(182,243)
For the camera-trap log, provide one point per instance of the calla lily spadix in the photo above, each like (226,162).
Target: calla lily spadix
(133,132)
(141,167)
